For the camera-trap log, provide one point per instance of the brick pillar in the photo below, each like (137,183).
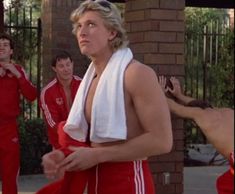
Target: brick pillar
(156,34)
(57,34)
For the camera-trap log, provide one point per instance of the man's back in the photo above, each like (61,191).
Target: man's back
(218,126)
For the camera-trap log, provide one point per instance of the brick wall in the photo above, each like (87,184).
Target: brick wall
(156,33)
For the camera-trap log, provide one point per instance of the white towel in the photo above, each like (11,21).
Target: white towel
(108,117)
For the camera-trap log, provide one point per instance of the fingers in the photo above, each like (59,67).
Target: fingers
(68,162)
(50,164)
(162,82)
(2,72)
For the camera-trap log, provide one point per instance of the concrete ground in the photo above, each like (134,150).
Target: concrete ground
(197,180)
(202,180)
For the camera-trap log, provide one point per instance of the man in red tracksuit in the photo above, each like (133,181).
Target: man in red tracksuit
(57,96)
(13,83)
(56,100)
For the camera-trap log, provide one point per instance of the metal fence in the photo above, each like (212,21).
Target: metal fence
(21,24)
(203,56)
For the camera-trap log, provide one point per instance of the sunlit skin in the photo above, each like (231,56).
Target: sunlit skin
(217,124)
(64,73)
(148,121)
(64,70)
(5,59)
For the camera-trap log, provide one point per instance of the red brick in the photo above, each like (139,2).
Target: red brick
(179,145)
(135,16)
(145,47)
(179,188)
(142,4)
(162,167)
(165,189)
(160,36)
(176,178)
(179,167)
(159,59)
(180,37)
(181,15)
(159,14)
(172,4)
(178,134)
(172,26)
(180,59)
(144,26)
(136,37)
(177,48)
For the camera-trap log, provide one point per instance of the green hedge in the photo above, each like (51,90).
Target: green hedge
(34,144)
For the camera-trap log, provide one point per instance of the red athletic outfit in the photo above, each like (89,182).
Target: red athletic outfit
(225,183)
(73,182)
(54,106)
(10,90)
(133,177)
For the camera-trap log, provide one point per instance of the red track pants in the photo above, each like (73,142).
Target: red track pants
(9,157)
(225,183)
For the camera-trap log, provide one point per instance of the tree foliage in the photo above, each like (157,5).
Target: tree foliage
(215,56)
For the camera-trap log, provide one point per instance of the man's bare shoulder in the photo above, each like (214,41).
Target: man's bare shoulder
(138,69)
(138,75)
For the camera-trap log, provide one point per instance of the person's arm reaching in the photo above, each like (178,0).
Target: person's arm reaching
(177,91)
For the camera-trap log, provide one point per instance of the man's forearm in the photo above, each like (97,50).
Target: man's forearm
(184,99)
(137,148)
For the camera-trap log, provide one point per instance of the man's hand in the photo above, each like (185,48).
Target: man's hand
(162,82)
(81,159)
(50,163)
(2,72)
(12,69)
(176,91)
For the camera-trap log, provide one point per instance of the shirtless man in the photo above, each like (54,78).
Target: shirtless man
(100,34)
(217,124)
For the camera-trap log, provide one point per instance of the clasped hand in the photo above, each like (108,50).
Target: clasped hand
(55,163)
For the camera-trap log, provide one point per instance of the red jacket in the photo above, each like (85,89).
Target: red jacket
(54,106)
(10,90)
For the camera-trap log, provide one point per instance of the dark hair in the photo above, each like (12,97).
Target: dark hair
(60,55)
(199,103)
(7,37)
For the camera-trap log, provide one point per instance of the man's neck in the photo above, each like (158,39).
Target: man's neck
(65,83)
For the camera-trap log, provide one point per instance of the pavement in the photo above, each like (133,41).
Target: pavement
(197,180)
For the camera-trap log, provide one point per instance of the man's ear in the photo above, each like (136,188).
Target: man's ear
(53,68)
(113,34)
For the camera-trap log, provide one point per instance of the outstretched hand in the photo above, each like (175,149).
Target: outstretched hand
(162,82)
(176,88)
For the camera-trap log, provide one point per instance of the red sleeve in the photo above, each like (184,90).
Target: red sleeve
(28,90)
(51,117)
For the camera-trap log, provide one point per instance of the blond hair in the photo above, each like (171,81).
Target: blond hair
(111,16)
